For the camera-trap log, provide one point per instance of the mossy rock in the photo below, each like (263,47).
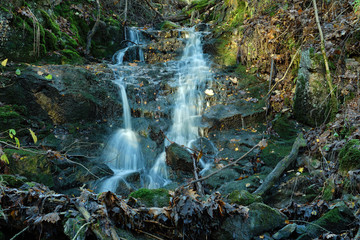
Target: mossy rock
(336,220)
(284,127)
(349,156)
(33,166)
(243,197)
(152,197)
(10,118)
(14,181)
(50,23)
(71,57)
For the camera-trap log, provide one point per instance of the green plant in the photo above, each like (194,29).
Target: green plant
(356,5)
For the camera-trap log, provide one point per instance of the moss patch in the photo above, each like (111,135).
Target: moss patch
(10,118)
(349,156)
(152,197)
(34,167)
(243,197)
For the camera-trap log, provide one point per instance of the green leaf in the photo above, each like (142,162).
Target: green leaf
(49,77)
(34,137)
(12,133)
(17,142)
(18,72)
(4,158)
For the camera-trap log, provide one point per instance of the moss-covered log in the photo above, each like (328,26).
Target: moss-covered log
(281,166)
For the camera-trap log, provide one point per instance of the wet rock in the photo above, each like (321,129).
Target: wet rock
(261,218)
(232,116)
(250,184)
(310,102)
(285,232)
(178,158)
(221,178)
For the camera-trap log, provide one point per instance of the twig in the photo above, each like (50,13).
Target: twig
(160,224)
(287,70)
(16,235)
(229,165)
(156,11)
(23,149)
(149,234)
(78,232)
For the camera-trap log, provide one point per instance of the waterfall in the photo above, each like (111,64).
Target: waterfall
(123,152)
(194,72)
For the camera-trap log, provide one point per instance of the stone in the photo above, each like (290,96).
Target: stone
(178,158)
(311,104)
(221,178)
(250,184)
(285,232)
(335,220)
(262,218)
(243,197)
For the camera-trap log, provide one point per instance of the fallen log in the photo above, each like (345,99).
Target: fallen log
(275,174)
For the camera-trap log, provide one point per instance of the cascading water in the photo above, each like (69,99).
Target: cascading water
(194,72)
(122,153)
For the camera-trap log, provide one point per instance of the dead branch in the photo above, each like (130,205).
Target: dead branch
(227,166)
(281,166)
(93,30)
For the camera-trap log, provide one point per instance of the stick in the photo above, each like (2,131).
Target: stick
(322,44)
(198,184)
(93,30)
(281,166)
(287,70)
(16,235)
(78,232)
(229,165)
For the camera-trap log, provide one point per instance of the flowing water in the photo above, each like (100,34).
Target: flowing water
(194,72)
(123,154)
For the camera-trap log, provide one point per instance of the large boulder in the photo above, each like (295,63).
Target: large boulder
(178,158)
(311,101)
(261,218)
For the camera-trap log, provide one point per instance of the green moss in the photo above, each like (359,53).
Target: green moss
(71,57)
(34,167)
(349,156)
(243,197)
(51,40)
(284,127)
(12,180)
(329,190)
(9,118)
(276,150)
(50,23)
(152,197)
(167,25)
